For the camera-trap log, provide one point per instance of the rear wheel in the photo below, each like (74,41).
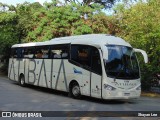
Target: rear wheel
(75,91)
(22,80)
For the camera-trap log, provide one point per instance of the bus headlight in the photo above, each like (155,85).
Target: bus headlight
(138,88)
(108,87)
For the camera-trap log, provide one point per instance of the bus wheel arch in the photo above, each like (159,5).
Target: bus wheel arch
(22,80)
(74,89)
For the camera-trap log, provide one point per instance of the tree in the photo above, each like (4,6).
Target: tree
(139,24)
(8,35)
(65,20)
(15,22)
(104,3)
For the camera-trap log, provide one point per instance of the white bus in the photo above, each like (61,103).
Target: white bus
(96,65)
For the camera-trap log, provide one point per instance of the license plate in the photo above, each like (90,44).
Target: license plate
(126,94)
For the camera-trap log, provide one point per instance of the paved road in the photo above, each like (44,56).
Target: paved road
(16,98)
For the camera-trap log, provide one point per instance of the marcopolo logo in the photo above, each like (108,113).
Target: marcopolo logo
(125,83)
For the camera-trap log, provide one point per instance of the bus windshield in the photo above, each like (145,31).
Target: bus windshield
(121,63)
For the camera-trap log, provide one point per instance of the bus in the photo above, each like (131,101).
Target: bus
(95,65)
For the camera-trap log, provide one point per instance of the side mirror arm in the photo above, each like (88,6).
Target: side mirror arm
(145,56)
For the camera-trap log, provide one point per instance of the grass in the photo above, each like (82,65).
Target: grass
(150,94)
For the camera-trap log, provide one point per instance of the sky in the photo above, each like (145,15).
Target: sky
(14,2)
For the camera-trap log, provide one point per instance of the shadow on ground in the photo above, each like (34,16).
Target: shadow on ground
(86,98)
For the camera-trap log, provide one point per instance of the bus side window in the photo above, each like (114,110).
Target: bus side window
(39,54)
(64,53)
(28,52)
(16,52)
(81,55)
(25,53)
(19,53)
(60,51)
(42,52)
(96,62)
(13,53)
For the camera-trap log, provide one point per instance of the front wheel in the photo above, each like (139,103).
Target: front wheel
(22,81)
(75,91)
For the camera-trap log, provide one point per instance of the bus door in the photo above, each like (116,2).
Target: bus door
(96,73)
(80,57)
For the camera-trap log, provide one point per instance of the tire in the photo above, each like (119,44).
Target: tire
(22,81)
(75,91)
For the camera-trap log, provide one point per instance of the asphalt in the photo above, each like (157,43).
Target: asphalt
(16,98)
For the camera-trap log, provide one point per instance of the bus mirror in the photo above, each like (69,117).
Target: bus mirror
(143,53)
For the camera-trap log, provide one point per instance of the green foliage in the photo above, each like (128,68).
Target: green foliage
(65,20)
(139,24)
(8,34)
(15,22)
(136,22)
(104,3)
(33,22)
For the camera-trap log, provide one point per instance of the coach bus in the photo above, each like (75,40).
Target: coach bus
(95,65)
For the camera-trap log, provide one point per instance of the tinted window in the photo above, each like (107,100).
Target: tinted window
(87,57)
(13,53)
(42,52)
(59,52)
(96,62)
(17,52)
(28,52)
(81,54)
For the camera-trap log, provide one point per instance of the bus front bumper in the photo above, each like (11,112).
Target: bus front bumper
(121,94)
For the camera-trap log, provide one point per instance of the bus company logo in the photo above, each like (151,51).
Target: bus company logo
(77,71)
(6,114)
(126,83)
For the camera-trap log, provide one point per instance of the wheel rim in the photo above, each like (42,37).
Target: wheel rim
(76,91)
(22,81)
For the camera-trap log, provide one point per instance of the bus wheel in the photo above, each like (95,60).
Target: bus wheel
(22,80)
(75,91)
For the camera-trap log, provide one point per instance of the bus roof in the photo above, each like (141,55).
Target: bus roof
(89,39)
